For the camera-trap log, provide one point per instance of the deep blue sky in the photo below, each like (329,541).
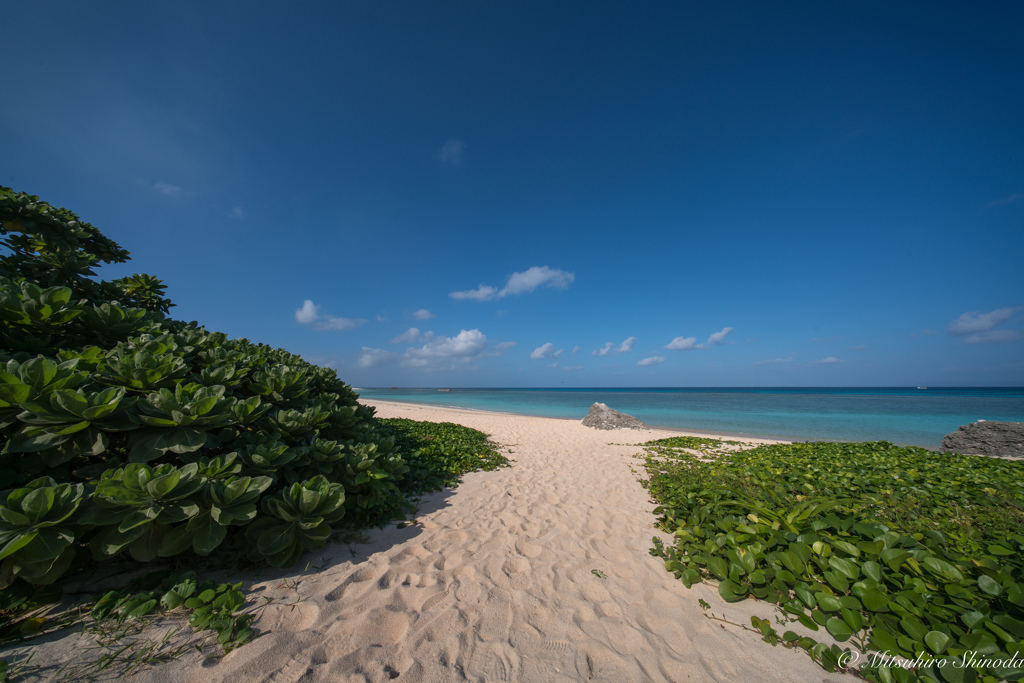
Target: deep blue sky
(725,194)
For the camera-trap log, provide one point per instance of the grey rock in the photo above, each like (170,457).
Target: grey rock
(603,417)
(999,439)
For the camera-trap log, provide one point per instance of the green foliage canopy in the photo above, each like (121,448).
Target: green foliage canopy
(125,432)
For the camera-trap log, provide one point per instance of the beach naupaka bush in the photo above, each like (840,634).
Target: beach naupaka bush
(125,432)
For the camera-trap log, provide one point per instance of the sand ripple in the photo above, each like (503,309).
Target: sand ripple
(497,583)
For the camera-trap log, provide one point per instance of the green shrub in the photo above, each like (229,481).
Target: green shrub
(911,553)
(125,432)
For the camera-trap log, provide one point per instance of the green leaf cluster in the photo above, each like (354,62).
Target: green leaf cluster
(210,605)
(125,433)
(439,453)
(908,552)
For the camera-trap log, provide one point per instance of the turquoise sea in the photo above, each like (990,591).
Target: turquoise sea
(904,416)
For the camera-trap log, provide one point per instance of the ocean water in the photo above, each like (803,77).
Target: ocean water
(904,416)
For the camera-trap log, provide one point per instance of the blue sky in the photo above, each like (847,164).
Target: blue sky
(548,194)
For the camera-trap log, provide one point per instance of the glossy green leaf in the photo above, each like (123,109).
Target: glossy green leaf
(719,568)
(989,585)
(828,603)
(883,641)
(839,629)
(854,619)
(808,622)
(731,591)
(875,601)
(938,641)
(208,534)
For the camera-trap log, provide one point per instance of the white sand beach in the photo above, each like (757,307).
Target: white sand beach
(536,572)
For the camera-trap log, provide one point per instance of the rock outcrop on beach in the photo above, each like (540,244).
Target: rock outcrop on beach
(999,439)
(603,417)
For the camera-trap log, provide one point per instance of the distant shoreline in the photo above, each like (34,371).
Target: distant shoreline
(677,430)
(902,416)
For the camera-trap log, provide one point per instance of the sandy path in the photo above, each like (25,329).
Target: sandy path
(496,582)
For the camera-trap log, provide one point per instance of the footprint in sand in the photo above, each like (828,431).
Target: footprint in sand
(356,584)
(289,618)
(494,662)
(608,609)
(559,647)
(596,664)
(584,614)
(594,591)
(527,549)
(296,668)
(391,577)
(377,627)
(468,592)
(439,600)
(449,652)
(366,573)
(497,615)
(621,636)
(515,565)
(418,580)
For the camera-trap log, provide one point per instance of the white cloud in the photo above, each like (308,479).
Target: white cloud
(329,322)
(422,314)
(452,152)
(436,352)
(499,349)
(545,351)
(310,314)
(168,189)
(537,276)
(651,360)
(410,336)
(719,337)
(687,343)
(624,347)
(576,349)
(826,361)
(237,213)
(572,368)
(520,283)
(446,352)
(381,318)
(973,322)
(465,344)
(682,344)
(306,314)
(481,293)
(774,360)
(994,337)
(413,336)
(553,365)
(372,358)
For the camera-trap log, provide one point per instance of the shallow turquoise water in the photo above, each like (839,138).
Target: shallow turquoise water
(905,416)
